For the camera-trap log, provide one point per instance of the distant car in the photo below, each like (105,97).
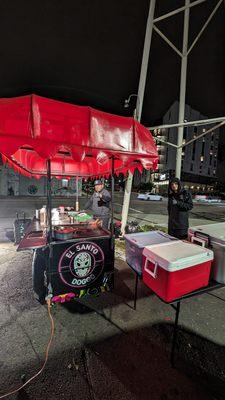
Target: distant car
(149,197)
(207,199)
(213,200)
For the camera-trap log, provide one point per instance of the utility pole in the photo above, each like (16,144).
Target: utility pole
(183,80)
(139,104)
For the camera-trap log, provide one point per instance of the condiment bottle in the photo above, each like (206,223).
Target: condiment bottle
(43,215)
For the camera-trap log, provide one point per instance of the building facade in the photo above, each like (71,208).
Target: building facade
(14,184)
(199,159)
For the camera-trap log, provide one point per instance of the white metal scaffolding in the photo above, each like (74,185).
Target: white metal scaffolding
(151,25)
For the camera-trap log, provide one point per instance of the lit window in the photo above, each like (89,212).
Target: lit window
(65,182)
(202,158)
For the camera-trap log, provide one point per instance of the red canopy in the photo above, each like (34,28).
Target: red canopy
(78,140)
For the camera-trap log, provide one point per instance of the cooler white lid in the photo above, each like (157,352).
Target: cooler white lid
(215,231)
(142,239)
(174,256)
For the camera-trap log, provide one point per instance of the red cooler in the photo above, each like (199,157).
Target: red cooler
(176,268)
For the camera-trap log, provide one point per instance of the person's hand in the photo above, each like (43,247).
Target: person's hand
(174,201)
(100,195)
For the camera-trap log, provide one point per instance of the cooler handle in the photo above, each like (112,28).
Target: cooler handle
(203,236)
(152,273)
(196,239)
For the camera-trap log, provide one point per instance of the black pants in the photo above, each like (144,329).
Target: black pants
(181,234)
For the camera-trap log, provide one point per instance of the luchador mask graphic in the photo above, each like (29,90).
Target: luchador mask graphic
(82,264)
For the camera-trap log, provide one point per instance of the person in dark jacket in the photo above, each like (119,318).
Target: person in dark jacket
(99,203)
(179,205)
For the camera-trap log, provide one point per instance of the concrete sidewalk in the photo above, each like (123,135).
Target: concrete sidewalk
(102,348)
(162,220)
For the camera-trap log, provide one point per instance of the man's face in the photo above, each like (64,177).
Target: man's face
(174,186)
(98,188)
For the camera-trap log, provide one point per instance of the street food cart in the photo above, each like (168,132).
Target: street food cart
(73,254)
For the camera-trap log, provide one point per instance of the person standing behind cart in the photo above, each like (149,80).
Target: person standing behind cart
(179,205)
(99,203)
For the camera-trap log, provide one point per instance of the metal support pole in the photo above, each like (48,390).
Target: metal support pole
(167,41)
(49,200)
(205,25)
(139,104)
(126,201)
(112,196)
(178,10)
(183,79)
(198,122)
(77,194)
(194,139)
(203,134)
(145,58)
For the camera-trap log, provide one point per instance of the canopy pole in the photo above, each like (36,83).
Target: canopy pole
(77,196)
(183,81)
(49,199)
(139,105)
(112,195)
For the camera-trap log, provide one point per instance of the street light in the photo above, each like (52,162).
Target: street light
(127,104)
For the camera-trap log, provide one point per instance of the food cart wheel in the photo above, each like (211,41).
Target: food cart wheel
(38,276)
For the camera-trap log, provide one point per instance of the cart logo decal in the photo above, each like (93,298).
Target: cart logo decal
(81,264)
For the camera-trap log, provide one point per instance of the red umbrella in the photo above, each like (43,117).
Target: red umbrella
(78,140)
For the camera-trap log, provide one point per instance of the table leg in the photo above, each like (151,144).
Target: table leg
(135,292)
(177,308)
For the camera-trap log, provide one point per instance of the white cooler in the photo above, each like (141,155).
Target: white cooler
(135,243)
(212,236)
(174,269)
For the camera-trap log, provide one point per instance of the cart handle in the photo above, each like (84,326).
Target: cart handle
(152,273)
(195,239)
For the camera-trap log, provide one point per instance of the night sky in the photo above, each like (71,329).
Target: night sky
(89,52)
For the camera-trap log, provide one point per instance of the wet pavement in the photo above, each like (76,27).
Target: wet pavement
(102,348)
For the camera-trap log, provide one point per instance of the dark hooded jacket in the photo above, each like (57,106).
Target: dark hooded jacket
(179,205)
(99,206)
